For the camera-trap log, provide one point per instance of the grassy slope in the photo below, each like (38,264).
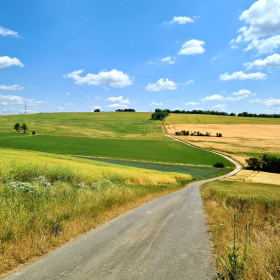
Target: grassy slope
(130,136)
(212,119)
(96,125)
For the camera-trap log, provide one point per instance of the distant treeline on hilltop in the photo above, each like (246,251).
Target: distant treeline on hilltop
(125,110)
(161,114)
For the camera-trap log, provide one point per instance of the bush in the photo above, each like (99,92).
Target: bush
(219,165)
(33,132)
(264,163)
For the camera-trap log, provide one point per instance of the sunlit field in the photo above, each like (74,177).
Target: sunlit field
(48,200)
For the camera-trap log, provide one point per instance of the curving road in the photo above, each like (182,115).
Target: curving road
(166,238)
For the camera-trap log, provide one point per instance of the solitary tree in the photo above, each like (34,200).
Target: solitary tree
(24,127)
(17,127)
(33,132)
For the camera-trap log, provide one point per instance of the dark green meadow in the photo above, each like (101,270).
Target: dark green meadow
(165,151)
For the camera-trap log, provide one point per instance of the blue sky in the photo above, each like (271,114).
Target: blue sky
(72,56)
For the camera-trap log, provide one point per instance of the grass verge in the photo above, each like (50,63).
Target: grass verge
(255,204)
(47,200)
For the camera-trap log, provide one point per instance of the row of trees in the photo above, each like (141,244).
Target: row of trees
(18,127)
(125,110)
(196,133)
(208,112)
(264,163)
(245,114)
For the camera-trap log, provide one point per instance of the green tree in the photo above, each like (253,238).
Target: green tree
(24,127)
(17,127)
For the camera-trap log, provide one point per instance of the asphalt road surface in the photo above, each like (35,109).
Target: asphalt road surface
(166,238)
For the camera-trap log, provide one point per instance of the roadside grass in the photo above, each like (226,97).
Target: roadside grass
(213,119)
(198,172)
(166,151)
(256,204)
(48,200)
(96,125)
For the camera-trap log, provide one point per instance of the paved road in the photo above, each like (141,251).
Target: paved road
(166,238)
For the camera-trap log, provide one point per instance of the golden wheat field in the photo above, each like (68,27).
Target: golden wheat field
(239,140)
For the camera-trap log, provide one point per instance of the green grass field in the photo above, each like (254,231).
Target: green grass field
(197,172)
(165,151)
(96,125)
(213,119)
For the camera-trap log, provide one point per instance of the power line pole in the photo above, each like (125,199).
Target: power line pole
(25,110)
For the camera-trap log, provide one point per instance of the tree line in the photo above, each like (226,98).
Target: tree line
(125,110)
(245,114)
(264,163)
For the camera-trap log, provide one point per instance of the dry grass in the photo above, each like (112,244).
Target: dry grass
(239,140)
(37,190)
(256,204)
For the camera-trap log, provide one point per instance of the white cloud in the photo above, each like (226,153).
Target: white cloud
(8,32)
(96,107)
(13,87)
(117,99)
(162,84)
(116,106)
(270,61)
(269,102)
(4,103)
(263,18)
(114,78)
(167,59)
(60,108)
(150,62)
(19,100)
(6,61)
(67,93)
(156,104)
(188,82)
(267,45)
(192,47)
(192,103)
(242,92)
(97,97)
(242,76)
(181,20)
(68,104)
(221,107)
(215,57)
(233,47)
(220,97)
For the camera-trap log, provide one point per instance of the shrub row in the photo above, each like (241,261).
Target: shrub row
(196,133)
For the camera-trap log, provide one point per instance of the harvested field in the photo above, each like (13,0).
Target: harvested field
(239,141)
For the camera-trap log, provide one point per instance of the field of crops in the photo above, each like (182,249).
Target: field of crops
(48,200)
(255,203)
(95,125)
(215,119)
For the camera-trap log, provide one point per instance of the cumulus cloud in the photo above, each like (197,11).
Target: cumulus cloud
(69,104)
(192,103)
(272,102)
(116,106)
(267,45)
(12,88)
(156,104)
(167,59)
(60,108)
(114,78)
(263,18)
(6,61)
(96,107)
(221,107)
(242,76)
(181,20)
(192,47)
(117,99)
(19,100)
(162,84)
(220,97)
(8,32)
(269,62)
(150,62)
(242,92)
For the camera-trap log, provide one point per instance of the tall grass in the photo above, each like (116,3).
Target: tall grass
(257,205)
(43,205)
